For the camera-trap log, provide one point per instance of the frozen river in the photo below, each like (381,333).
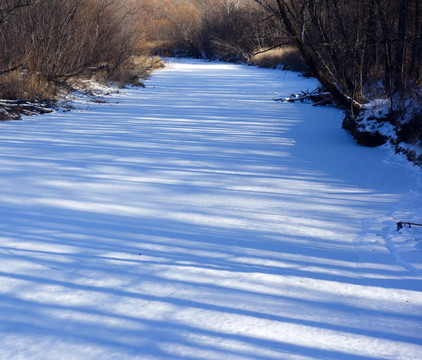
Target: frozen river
(200,219)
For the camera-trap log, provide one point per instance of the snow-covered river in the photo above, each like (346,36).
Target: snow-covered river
(200,219)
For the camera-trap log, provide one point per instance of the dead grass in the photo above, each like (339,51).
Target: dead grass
(26,93)
(287,58)
(132,72)
(26,86)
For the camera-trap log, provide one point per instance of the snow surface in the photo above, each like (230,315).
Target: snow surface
(199,219)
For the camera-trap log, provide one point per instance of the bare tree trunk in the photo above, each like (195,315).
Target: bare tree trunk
(416,62)
(400,63)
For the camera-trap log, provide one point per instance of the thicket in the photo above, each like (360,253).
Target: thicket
(234,30)
(47,44)
(356,48)
(359,50)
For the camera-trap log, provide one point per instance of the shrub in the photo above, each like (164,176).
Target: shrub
(52,41)
(133,71)
(24,85)
(287,57)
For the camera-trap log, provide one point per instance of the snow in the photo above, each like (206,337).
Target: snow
(199,219)
(373,120)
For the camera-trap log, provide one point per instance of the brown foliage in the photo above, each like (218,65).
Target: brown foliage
(225,29)
(286,57)
(51,41)
(23,85)
(135,69)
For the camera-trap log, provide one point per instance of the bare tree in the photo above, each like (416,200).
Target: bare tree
(8,7)
(51,41)
(350,46)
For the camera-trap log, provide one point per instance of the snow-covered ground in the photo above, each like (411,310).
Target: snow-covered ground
(199,219)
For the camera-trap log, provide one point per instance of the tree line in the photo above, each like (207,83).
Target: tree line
(359,50)
(356,47)
(47,43)
(225,29)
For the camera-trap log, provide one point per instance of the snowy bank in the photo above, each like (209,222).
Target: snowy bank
(377,125)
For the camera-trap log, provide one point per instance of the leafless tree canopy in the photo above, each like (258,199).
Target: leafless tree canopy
(351,46)
(227,29)
(51,41)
